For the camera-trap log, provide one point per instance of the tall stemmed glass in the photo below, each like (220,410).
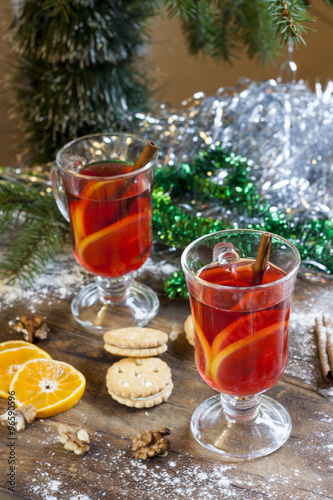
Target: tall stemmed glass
(109,207)
(241,340)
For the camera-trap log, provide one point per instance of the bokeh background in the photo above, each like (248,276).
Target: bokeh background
(178,75)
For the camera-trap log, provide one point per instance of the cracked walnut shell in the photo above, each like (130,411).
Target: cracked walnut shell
(148,444)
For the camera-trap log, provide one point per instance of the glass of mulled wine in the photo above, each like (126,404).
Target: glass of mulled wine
(241,339)
(107,200)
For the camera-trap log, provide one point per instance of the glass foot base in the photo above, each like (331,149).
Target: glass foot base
(99,313)
(241,440)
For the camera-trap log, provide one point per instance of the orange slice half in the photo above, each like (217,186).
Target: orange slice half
(235,347)
(90,195)
(11,344)
(51,386)
(116,247)
(241,328)
(203,352)
(11,361)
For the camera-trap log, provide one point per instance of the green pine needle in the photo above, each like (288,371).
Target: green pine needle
(223,28)
(32,228)
(30,250)
(79,70)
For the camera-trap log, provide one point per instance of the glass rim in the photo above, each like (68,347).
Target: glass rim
(96,177)
(239,288)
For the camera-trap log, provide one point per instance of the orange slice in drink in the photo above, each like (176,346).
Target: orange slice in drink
(83,212)
(51,386)
(115,249)
(12,359)
(236,357)
(84,218)
(242,327)
(203,352)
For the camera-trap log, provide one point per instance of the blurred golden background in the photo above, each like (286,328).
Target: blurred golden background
(178,75)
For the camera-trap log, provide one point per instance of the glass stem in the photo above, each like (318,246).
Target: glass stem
(241,409)
(113,289)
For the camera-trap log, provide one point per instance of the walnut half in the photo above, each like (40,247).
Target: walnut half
(151,443)
(74,440)
(32,328)
(23,415)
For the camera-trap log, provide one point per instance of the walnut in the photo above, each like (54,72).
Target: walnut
(151,443)
(74,440)
(32,328)
(13,420)
(28,412)
(21,416)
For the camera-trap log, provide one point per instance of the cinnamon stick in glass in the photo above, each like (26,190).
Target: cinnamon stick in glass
(146,156)
(261,262)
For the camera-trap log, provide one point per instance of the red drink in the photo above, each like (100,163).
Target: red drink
(110,219)
(241,349)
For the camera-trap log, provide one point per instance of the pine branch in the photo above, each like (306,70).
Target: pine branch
(31,249)
(78,69)
(288,16)
(19,196)
(222,28)
(59,7)
(54,107)
(33,225)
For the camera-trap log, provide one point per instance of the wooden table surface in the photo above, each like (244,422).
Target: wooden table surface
(301,469)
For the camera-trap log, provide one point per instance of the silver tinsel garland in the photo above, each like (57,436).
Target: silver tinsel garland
(284,129)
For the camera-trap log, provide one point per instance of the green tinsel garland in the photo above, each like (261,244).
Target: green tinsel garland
(28,213)
(180,192)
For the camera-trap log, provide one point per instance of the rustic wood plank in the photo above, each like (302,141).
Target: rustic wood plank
(8,495)
(301,469)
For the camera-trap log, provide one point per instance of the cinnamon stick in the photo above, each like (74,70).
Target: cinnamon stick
(329,346)
(327,320)
(261,262)
(146,156)
(321,333)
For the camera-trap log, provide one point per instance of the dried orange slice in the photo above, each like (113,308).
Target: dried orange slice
(114,249)
(235,358)
(11,361)
(51,386)
(11,344)
(202,352)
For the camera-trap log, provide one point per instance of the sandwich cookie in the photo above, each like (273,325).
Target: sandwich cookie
(139,382)
(135,342)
